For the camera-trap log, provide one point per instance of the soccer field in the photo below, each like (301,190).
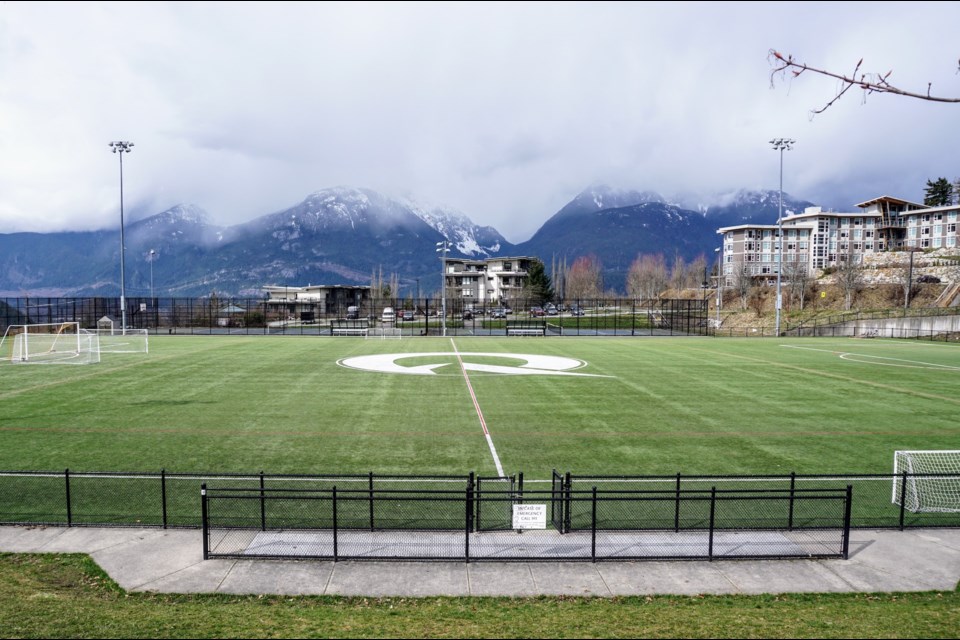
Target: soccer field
(432,405)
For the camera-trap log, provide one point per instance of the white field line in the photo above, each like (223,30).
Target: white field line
(476,405)
(847,355)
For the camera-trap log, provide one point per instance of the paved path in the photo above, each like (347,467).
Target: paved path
(171,561)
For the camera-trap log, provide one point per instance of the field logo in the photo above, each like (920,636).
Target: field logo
(533,365)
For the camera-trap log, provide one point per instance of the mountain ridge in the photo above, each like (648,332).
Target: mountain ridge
(340,235)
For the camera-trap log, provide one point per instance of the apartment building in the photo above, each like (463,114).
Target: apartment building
(490,281)
(305,303)
(817,239)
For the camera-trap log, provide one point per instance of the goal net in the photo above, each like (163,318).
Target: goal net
(56,343)
(385,333)
(117,341)
(927,481)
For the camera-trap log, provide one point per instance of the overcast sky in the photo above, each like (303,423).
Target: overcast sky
(502,111)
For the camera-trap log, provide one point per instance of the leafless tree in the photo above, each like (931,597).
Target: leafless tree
(647,277)
(849,277)
(697,273)
(868,82)
(678,274)
(798,279)
(583,278)
(741,280)
(902,276)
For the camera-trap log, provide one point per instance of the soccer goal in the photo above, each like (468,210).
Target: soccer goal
(385,333)
(927,481)
(55,343)
(117,341)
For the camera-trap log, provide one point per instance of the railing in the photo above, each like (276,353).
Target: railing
(69,498)
(332,524)
(855,316)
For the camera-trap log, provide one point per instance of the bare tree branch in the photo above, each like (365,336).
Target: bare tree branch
(868,82)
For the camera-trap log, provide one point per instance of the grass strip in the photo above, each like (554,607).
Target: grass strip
(69,596)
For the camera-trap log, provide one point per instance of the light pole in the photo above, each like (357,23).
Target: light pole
(781,145)
(122,147)
(443,248)
(719,275)
(152,254)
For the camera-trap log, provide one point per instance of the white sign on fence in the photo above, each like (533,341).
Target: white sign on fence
(529,516)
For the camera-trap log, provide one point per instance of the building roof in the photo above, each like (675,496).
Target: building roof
(890,199)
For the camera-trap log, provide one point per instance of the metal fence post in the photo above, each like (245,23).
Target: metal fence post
(66,479)
(593,527)
(845,550)
(793,485)
(335,549)
(263,505)
(204,522)
(163,495)
(713,511)
(370,490)
(567,490)
(473,486)
(477,520)
(903,498)
(676,511)
(468,518)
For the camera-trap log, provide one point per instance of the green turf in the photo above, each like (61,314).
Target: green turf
(68,596)
(282,404)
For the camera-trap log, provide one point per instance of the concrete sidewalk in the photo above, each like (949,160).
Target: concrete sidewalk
(171,561)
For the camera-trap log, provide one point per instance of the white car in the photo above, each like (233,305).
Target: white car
(388,315)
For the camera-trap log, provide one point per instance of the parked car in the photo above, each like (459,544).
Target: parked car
(498,313)
(536,312)
(353,313)
(406,315)
(575,310)
(388,315)
(468,315)
(928,279)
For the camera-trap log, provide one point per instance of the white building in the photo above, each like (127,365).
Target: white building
(816,239)
(485,282)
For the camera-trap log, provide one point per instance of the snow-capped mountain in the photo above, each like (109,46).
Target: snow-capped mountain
(467,238)
(341,235)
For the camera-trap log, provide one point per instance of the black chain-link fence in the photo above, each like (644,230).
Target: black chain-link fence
(474,524)
(414,317)
(171,500)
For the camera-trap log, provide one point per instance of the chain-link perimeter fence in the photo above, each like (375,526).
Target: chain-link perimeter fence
(171,500)
(445,524)
(421,317)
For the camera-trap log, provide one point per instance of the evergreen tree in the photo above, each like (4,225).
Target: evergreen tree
(938,193)
(539,287)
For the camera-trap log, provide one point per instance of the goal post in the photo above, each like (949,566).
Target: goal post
(927,481)
(117,341)
(52,343)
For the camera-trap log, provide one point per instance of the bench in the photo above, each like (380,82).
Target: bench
(348,331)
(514,331)
(526,327)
